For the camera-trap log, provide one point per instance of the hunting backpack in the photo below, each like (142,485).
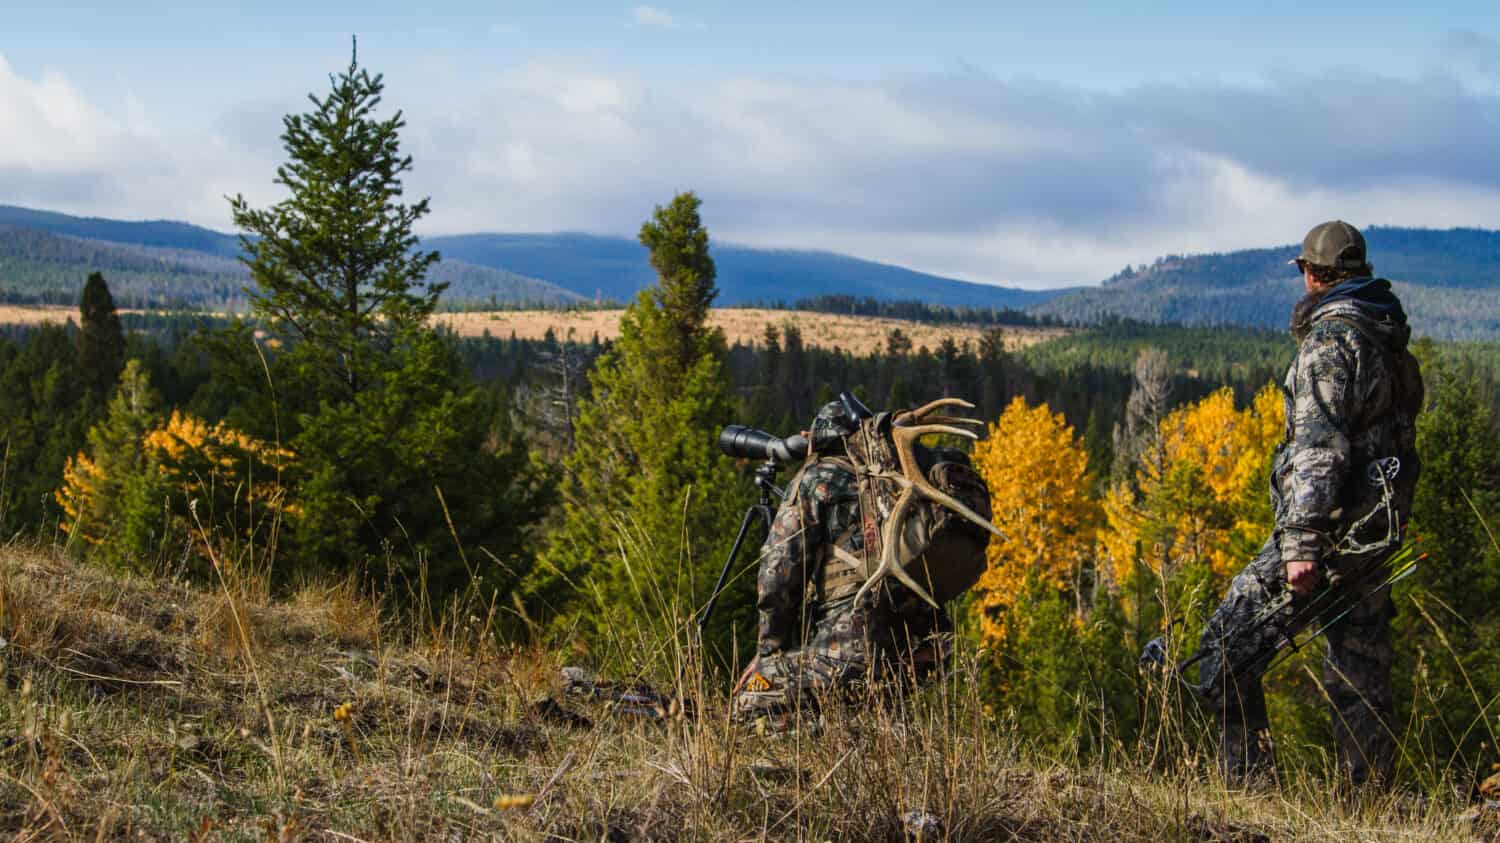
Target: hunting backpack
(924,512)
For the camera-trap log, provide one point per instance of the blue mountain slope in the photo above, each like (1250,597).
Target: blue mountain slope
(1448,279)
(584,265)
(44,266)
(615,268)
(163,234)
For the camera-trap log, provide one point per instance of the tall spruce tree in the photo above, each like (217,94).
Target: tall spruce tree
(101,340)
(402,462)
(336,264)
(649,503)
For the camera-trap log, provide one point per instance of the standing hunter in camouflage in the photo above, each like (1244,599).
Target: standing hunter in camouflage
(1352,398)
(815,638)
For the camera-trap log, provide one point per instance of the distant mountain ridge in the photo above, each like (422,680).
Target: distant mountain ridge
(616,268)
(45,257)
(1448,280)
(552,268)
(160,233)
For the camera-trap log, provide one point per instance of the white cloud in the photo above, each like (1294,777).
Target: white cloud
(61,152)
(659,17)
(652,16)
(962,174)
(48,125)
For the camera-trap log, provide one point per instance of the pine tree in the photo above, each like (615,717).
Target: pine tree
(1446,667)
(678,243)
(420,477)
(336,265)
(401,460)
(45,415)
(649,503)
(101,340)
(96,481)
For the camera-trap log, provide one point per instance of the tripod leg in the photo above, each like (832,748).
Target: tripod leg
(765,514)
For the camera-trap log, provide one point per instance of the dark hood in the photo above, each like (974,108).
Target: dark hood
(1373,295)
(1368,300)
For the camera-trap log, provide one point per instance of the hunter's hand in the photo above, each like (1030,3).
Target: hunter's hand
(1303,576)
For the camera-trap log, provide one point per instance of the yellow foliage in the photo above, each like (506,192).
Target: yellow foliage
(196,459)
(82,481)
(1037,473)
(1192,505)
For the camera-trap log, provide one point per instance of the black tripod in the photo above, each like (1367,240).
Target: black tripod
(764,480)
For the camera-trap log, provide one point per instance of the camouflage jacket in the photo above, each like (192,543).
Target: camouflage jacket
(822,508)
(1352,397)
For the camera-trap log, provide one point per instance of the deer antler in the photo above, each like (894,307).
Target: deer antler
(921,413)
(905,438)
(915,482)
(954,420)
(890,561)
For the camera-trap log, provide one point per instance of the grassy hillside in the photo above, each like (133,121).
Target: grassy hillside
(146,709)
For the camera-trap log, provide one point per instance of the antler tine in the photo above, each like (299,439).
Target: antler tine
(915,432)
(955,420)
(890,558)
(923,411)
(905,438)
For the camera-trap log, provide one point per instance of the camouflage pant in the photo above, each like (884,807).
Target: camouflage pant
(1356,676)
(839,662)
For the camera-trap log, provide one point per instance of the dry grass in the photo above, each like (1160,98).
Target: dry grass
(128,709)
(857,334)
(21,314)
(50,314)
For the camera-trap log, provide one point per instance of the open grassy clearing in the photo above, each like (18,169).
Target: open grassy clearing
(145,708)
(857,334)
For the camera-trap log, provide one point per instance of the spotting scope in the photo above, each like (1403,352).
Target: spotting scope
(748,443)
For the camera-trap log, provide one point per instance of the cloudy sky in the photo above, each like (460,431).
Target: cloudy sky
(1030,144)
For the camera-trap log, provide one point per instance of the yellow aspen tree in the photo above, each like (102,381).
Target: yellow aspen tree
(1201,501)
(1037,471)
(128,471)
(236,478)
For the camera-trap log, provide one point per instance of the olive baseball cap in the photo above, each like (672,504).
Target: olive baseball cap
(1335,244)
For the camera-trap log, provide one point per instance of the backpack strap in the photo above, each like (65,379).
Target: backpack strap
(842,572)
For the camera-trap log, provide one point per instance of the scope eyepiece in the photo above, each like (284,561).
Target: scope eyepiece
(748,443)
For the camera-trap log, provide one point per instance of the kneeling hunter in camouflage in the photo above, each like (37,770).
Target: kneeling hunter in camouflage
(873,534)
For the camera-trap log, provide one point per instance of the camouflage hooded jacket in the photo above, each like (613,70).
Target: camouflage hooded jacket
(1352,398)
